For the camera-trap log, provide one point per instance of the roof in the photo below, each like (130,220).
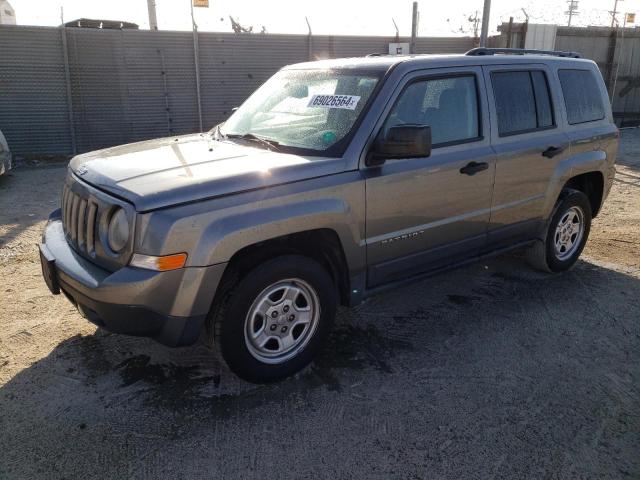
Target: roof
(384,62)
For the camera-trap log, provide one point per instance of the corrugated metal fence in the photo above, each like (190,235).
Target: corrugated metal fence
(33,98)
(119,86)
(617,53)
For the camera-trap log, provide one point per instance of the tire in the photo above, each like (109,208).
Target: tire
(259,345)
(573,208)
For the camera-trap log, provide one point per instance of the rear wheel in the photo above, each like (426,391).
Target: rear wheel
(566,234)
(274,320)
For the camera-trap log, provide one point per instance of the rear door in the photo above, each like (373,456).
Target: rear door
(423,213)
(529,142)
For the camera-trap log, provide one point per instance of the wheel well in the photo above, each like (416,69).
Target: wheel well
(592,185)
(323,245)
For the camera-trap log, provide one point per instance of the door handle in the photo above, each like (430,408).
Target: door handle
(552,152)
(474,167)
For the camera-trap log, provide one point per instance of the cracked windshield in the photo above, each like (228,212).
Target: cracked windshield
(304,109)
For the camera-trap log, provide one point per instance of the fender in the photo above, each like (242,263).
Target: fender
(227,235)
(211,232)
(577,164)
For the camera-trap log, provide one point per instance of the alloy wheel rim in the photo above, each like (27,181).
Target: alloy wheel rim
(569,233)
(281,321)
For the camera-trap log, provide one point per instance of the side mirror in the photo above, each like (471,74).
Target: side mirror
(401,141)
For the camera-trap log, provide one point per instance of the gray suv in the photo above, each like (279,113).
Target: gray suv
(335,180)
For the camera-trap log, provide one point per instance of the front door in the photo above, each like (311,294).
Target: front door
(425,213)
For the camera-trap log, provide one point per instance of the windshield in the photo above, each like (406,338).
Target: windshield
(312,110)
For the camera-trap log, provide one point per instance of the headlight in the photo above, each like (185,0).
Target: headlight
(118,234)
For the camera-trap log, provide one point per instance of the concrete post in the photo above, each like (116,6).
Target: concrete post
(67,78)
(414,28)
(196,55)
(484,32)
(153,18)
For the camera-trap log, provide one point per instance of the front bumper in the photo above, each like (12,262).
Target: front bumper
(169,307)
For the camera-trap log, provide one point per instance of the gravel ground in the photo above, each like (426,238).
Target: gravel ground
(490,371)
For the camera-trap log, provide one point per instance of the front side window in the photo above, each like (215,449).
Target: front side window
(522,101)
(582,96)
(304,111)
(448,105)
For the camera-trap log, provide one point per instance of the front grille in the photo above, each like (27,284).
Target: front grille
(79,219)
(85,211)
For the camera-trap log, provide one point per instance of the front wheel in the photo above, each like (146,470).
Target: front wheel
(274,320)
(566,234)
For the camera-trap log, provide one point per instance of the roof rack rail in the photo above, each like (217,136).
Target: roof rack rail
(520,51)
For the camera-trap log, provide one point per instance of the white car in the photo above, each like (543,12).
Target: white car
(5,155)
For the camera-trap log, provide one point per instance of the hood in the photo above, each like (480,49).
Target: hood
(164,172)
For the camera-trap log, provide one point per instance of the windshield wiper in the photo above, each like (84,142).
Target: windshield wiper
(270,144)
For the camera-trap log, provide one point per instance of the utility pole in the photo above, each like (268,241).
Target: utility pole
(486,13)
(572,10)
(196,56)
(613,13)
(615,79)
(153,18)
(414,28)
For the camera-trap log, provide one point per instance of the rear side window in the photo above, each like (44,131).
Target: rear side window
(582,96)
(522,101)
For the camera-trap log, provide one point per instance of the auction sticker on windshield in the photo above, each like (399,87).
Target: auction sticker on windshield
(348,102)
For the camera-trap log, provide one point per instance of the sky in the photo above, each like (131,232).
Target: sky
(338,17)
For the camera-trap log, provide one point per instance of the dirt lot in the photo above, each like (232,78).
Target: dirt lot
(492,371)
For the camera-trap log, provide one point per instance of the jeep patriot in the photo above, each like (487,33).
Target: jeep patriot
(334,180)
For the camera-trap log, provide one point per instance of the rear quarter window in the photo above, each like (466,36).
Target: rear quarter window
(582,96)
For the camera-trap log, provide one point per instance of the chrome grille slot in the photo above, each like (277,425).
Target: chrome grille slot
(64,199)
(82,213)
(91,228)
(74,219)
(79,220)
(67,210)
